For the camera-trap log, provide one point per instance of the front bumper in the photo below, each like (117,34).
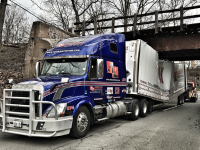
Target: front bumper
(31,125)
(40,128)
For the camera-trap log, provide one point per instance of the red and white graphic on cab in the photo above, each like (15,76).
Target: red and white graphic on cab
(115,73)
(70,107)
(117,91)
(109,90)
(112,69)
(96,89)
(160,74)
(109,67)
(91,88)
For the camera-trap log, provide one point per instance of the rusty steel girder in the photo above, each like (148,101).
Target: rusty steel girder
(178,47)
(171,43)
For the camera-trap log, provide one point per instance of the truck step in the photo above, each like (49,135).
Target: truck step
(99,107)
(127,102)
(102,119)
(127,113)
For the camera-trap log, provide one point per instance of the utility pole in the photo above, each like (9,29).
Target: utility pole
(2,15)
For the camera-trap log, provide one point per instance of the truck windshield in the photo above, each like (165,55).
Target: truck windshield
(70,66)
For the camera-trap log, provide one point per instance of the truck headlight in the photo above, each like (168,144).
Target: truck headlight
(61,108)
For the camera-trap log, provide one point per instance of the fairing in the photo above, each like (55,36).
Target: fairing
(95,45)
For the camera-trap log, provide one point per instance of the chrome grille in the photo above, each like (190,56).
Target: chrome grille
(20,102)
(15,105)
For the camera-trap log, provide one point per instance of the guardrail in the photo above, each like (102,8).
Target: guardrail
(135,24)
(5,105)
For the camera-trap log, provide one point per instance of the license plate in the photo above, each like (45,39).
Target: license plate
(17,123)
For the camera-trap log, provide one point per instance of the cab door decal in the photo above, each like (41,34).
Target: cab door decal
(112,69)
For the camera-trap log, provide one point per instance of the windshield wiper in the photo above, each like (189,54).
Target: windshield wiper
(47,74)
(67,73)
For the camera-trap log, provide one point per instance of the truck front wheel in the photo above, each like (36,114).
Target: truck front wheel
(81,123)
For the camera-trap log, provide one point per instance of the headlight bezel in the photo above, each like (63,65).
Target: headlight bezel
(61,109)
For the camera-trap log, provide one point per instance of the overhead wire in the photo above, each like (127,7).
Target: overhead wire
(32,13)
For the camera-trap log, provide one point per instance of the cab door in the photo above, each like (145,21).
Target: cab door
(94,83)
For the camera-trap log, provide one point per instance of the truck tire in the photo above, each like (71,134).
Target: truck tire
(81,123)
(178,103)
(143,107)
(186,98)
(183,101)
(194,99)
(180,100)
(135,109)
(150,106)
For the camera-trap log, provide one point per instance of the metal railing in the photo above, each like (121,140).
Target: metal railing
(5,105)
(137,17)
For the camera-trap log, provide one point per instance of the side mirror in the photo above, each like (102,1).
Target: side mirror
(37,69)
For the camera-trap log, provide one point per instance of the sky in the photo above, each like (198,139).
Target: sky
(28,5)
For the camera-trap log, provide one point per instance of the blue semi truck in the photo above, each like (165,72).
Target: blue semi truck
(89,79)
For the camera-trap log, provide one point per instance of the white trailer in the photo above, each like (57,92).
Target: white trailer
(148,77)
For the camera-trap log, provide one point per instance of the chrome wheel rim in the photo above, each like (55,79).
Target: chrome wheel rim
(145,108)
(136,110)
(82,122)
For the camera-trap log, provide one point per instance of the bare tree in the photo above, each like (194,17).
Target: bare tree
(122,8)
(2,15)
(16,25)
(173,4)
(98,11)
(130,7)
(63,13)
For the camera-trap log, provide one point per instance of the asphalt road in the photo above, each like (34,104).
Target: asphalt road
(177,128)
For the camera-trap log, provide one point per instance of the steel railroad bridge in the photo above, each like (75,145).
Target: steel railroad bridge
(174,43)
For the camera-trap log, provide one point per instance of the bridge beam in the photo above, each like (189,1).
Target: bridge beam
(178,47)
(172,43)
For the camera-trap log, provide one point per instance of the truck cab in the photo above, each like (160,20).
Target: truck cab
(192,95)
(77,79)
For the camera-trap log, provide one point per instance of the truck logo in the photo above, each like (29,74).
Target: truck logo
(112,69)
(124,90)
(109,90)
(96,89)
(109,67)
(115,73)
(117,91)
(160,74)
(92,88)
(70,107)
